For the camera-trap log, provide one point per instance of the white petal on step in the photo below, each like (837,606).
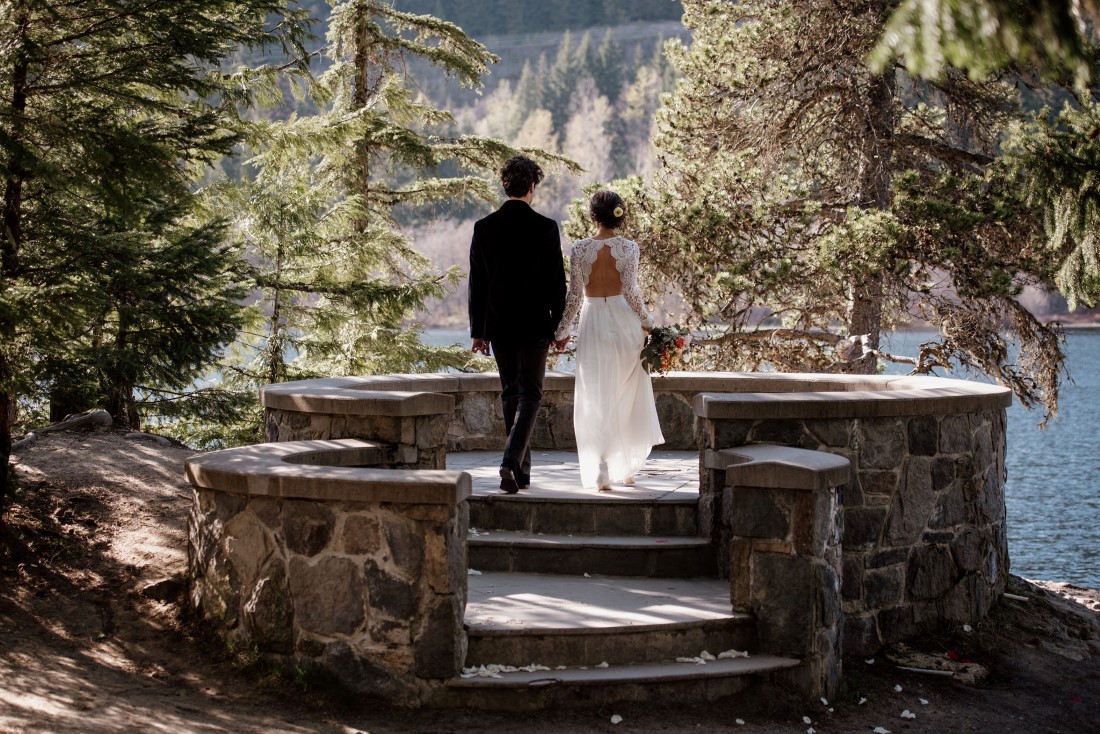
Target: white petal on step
(824,702)
(923,701)
(560,667)
(870,661)
(898,688)
(587,576)
(862,700)
(967,628)
(880,730)
(806,720)
(739,722)
(472,572)
(696,660)
(731,654)
(706,655)
(907,714)
(602,665)
(616,719)
(811,730)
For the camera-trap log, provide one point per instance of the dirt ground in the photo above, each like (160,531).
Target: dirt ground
(90,643)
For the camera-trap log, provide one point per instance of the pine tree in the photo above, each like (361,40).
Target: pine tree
(106,109)
(802,186)
(336,279)
(608,68)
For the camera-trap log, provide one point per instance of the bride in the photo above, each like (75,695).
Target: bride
(614,416)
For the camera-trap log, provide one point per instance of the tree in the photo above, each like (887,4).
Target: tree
(804,190)
(335,279)
(106,108)
(983,36)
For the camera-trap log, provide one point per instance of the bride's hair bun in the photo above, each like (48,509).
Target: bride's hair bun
(606,208)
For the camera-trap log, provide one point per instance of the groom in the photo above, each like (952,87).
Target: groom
(517,296)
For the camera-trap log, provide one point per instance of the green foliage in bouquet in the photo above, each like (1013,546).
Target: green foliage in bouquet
(665,348)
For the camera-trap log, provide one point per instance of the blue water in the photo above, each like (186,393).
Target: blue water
(1053,488)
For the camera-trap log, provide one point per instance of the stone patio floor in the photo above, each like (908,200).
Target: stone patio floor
(667,475)
(516,601)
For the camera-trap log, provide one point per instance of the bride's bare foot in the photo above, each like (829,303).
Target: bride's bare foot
(629,481)
(603,487)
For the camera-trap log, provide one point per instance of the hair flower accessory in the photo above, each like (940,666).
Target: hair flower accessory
(618,212)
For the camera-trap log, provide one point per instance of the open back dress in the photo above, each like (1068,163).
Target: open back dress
(614,415)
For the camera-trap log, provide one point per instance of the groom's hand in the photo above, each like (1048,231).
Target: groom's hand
(481,346)
(561,344)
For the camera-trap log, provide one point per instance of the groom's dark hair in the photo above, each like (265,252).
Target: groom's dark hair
(517,175)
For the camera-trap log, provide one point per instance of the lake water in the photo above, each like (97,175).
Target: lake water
(1053,488)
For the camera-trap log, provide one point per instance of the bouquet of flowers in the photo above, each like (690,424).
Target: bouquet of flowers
(665,349)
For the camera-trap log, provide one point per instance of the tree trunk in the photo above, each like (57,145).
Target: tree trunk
(10,242)
(866,295)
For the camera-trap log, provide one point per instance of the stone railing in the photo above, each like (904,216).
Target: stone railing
(782,516)
(923,513)
(313,552)
(924,540)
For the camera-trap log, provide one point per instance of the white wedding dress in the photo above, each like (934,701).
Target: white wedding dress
(614,415)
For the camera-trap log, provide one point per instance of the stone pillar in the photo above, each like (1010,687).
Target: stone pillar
(782,517)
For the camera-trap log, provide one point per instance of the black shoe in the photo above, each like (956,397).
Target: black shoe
(523,480)
(508,481)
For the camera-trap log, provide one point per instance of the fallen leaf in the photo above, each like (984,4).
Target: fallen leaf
(616,719)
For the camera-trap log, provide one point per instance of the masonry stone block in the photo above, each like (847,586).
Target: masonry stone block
(361,535)
(359,673)
(883,587)
(440,644)
(727,434)
(852,587)
(784,597)
(955,434)
(924,435)
(782,433)
(883,444)
(931,572)
(891,557)
(992,504)
(480,413)
(431,431)
(756,514)
(862,527)
(861,634)
(830,433)
(406,544)
(677,421)
(247,545)
(307,526)
(911,506)
(328,595)
(969,549)
(268,614)
(943,472)
(394,597)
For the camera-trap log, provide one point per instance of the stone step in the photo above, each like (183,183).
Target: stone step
(519,619)
(526,552)
(584,515)
(645,682)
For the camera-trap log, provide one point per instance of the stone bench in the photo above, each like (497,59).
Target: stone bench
(320,553)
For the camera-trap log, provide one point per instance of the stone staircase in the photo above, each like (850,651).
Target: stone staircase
(601,591)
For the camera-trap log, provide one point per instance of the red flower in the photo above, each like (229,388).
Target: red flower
(680,342)
(951,654)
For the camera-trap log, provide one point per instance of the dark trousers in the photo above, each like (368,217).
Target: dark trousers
(522,368)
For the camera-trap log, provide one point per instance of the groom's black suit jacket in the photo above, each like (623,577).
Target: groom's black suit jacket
(517,278)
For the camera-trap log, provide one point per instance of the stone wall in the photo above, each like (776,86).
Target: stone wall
(924,541)
(357,572)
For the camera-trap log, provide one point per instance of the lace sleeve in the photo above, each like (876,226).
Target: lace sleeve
(575,296)
(631,292)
